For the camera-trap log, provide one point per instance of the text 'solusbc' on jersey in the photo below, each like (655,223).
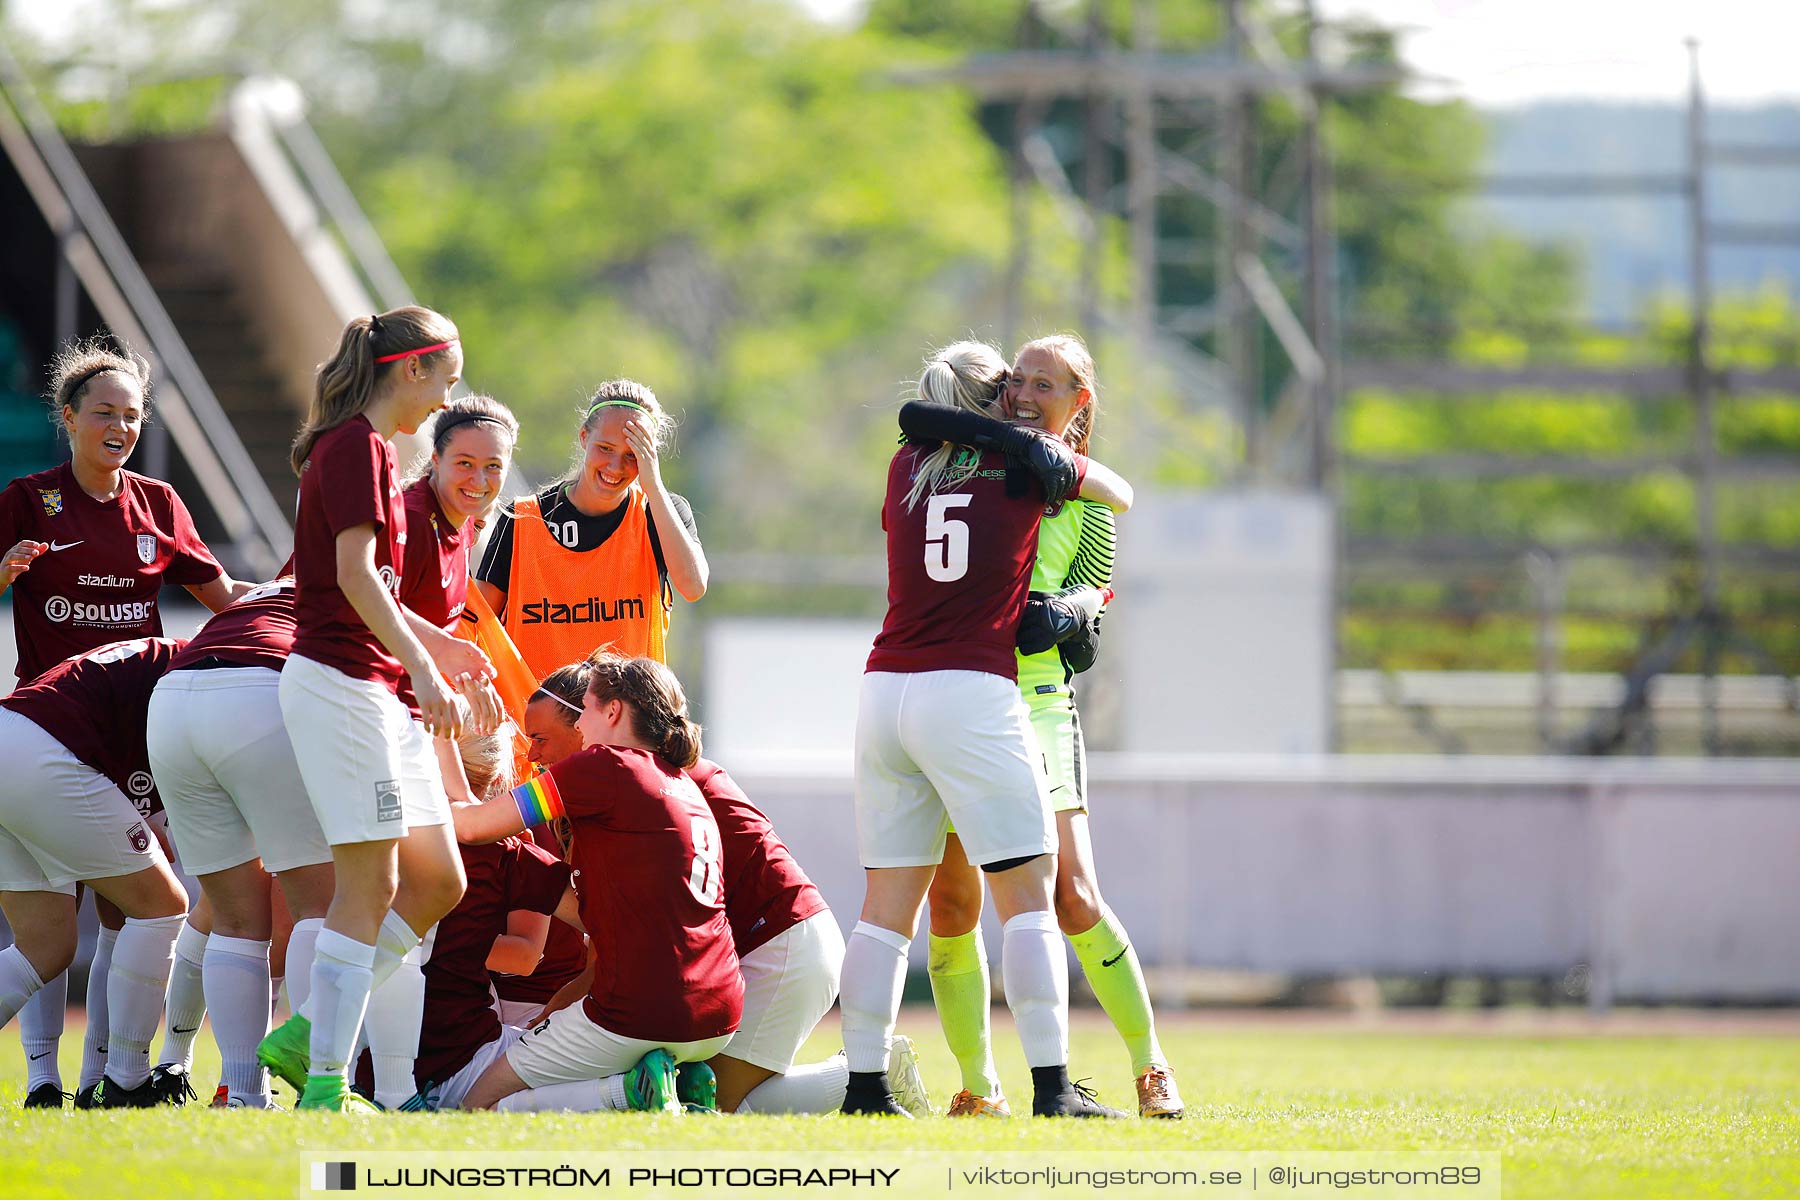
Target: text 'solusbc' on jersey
(128,615)
(591,611)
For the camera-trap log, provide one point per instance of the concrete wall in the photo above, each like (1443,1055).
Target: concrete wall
(1673,879)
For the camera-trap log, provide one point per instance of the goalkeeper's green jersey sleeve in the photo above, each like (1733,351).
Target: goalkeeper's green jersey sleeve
(1075,549)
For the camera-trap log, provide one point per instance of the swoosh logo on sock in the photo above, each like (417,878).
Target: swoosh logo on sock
(45,1054)
(1114,960)
(179,1029)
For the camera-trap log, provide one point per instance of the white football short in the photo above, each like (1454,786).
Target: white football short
(517,1012)
(61,821)
(225,768)
(941,746)
(790,982)
(567,1047)
(451,1093)
(368,766)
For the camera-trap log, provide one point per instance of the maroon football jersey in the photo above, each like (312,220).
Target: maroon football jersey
(96,704)
(434,576)
(766,892)
(959,570)
(565,950)
(348,480)
(503,876)
(649,875)
(257,630)
(97,583)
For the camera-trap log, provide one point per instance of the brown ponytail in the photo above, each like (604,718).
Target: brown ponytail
(654,696)
(345,385)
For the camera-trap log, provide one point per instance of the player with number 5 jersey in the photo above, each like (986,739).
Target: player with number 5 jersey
(649,876)
(942,733)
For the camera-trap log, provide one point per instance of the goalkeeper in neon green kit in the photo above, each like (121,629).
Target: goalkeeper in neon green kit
(1052,387)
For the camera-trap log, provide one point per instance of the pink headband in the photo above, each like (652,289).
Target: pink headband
(435,346)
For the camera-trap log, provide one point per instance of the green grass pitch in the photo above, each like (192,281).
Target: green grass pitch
(1669,1114)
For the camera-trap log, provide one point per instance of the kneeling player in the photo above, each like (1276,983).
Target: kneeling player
(462,1036)
(75,799)
(790,950)
(650,888)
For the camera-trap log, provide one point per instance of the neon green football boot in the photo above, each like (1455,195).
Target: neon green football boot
(650,1084)
(287,1051)
(331,1093)
(697,1088)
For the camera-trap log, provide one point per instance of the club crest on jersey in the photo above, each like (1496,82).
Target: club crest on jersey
(146,548)
(52,498)
(139,837)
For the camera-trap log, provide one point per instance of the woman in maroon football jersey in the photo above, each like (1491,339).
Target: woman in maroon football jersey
(650,885)
(226,769)
(550,736)
(942,732)
(75,802)
(472,441)
(373,780)
(790,950)
(465,1035)
(91,545)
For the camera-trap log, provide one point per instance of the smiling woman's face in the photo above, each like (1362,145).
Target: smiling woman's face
(609,466)
(1042,393)
(471,469)
(104,430)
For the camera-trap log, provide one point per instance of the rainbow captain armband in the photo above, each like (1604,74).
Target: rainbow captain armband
(538,800)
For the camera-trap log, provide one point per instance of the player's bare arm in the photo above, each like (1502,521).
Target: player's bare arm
(439,707)
(1103,485)
(220,592)
(520,949)
(682,553)
(18,561)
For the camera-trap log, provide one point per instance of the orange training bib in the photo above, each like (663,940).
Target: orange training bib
(562,605)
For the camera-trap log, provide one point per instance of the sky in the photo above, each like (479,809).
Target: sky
(1498,53)
(1502,53)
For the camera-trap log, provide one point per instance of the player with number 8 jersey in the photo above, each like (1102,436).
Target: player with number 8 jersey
(649,880)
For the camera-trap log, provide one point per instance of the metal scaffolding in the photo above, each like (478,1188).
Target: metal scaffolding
(1187,125)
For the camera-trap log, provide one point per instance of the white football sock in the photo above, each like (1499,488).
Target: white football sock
(300,959)
(341,981)
(19,982)
(93,1041)
(806,1088)
(237,989)
(585,1095)
(393,942)
(869,993)
(41,1030)
(1033,963)
(184,1007)
(396,1009)
(135,986)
